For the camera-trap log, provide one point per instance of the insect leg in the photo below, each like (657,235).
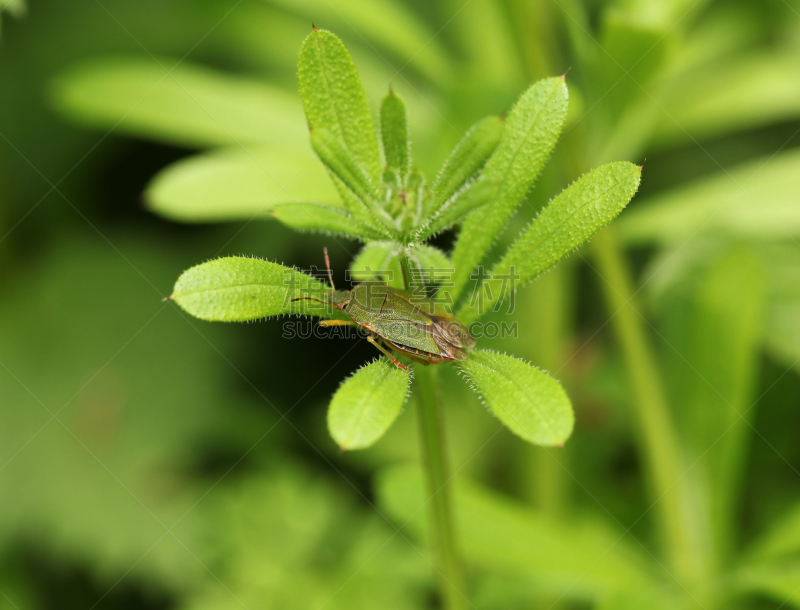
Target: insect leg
(328,265)
(386,352)
(336,323)
(417,359)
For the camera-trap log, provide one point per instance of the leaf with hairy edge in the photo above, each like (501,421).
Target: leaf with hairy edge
(378,260)
(435,271)
(235,289)
(322,219)
(569,220)
(467,158)
(334,99)
(527,400)
(394,134)
(341,163)
(459,205)
(233,184)
(427,256)
(359,193)
(530,134)
(366,404)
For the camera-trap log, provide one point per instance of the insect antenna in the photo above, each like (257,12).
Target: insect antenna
(328,265)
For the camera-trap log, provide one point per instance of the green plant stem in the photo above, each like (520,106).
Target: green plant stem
(660,446)
(434,457)
(443,530)
(405,269)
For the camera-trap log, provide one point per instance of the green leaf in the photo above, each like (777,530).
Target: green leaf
(712,331)
(395,136)
(459,205)
(782,319)
(383,257)
(466,160)
(757,200)
(236,288)
(426,257)
(580,560)
(341,163)
(322,219)
(569,220)
(387,24)
(232,184)
(15,8)
(530,134)
(366,404)
(634,49)
(378,260)
(780,541)
(189,106)
(503,591)
(777,581)
(527,400)
(484,33)
(334,99)
(624,598)
(746,91)
(359,192)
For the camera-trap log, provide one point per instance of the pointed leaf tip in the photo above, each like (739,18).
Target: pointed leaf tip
(334,99)
(222,290)
(569,220)
(530,134)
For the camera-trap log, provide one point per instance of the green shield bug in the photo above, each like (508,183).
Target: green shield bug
(399,321)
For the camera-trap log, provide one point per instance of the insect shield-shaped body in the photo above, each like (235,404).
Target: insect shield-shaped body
(399,321)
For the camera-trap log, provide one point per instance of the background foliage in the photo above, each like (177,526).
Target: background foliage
(148,460)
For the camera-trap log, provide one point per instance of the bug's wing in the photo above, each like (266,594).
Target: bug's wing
(406,332)
(451,330)
(443,325)
(450,351)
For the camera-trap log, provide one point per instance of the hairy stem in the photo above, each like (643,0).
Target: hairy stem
(443,530)
(660,446)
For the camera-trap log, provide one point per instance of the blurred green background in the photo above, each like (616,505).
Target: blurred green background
(149,460)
